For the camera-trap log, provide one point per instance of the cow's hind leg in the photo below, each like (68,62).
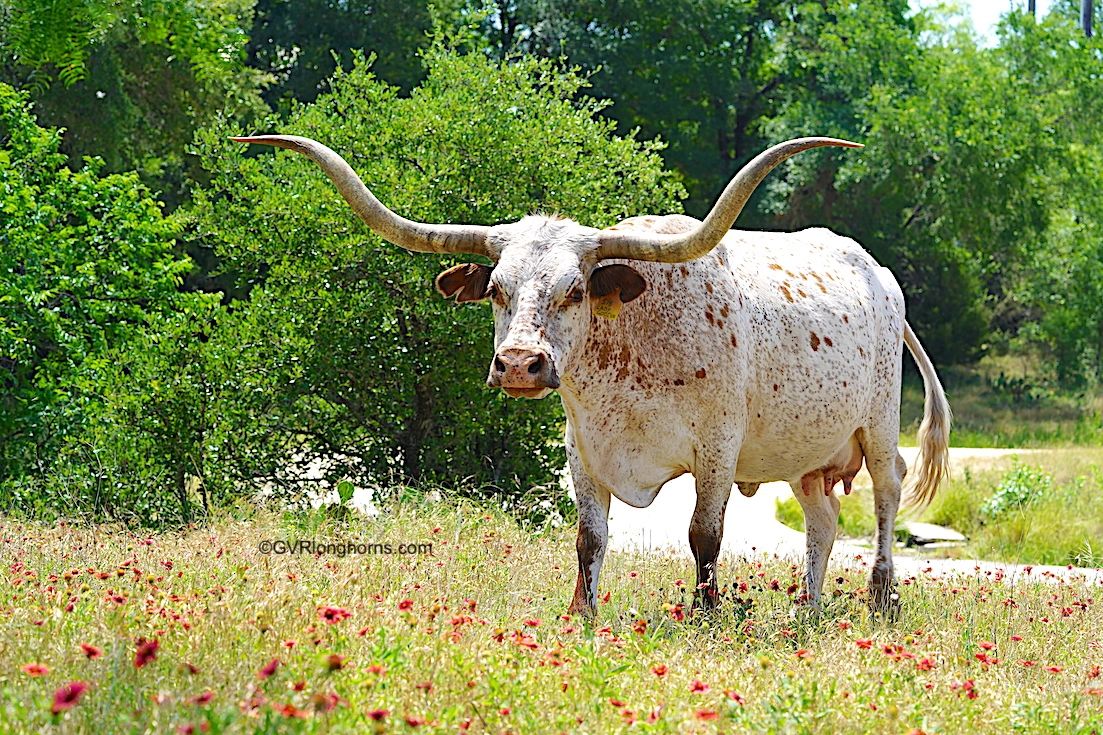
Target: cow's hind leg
(887,469)
(706,528)
(592,502)
(821,521)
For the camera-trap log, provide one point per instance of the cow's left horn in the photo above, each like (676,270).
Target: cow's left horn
(700,240)
(417,236)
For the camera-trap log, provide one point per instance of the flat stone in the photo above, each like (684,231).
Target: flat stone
(923,534)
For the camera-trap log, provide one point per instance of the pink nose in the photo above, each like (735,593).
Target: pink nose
(518,367)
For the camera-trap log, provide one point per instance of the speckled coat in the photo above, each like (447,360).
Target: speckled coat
(775,357)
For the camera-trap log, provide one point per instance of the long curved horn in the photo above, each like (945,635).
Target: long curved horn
(416,236)
(703,238)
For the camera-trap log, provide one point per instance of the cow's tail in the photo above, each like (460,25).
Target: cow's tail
(933,464)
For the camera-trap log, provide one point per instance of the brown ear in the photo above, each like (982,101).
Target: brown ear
(467,282)
(613,286)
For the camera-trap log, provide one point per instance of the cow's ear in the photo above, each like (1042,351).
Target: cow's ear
(613,286)
(467,282)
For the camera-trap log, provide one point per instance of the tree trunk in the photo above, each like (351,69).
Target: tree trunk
(1086,17)
(1032,7)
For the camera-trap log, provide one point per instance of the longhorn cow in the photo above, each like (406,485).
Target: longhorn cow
(679,345)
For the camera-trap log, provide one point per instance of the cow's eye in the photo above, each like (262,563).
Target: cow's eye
(575,296)
(495,293)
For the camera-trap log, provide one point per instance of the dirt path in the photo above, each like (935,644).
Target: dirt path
(751,526)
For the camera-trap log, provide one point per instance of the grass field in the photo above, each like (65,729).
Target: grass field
(471,638)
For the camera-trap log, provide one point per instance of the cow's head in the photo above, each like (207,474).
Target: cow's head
(548,274)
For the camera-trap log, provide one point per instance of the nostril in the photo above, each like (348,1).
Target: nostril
(499,366)
(537,365)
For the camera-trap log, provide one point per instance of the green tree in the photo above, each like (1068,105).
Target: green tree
(87,267)
(343,348)
(131,81)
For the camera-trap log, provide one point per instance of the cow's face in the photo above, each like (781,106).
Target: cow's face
(544,291)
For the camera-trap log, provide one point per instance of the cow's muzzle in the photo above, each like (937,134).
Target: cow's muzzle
(523,372)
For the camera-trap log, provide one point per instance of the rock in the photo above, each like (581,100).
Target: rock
(924,534)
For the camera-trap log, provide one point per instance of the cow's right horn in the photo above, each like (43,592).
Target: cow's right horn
(416,236)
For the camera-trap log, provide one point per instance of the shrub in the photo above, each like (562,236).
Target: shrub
(87,268)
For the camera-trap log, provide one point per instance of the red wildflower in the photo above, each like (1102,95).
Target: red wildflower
(659,670)
(378,714)
(405,604)
(268,669)
(640,626)
(735,697)
(864,643)
(298,686)
(203,698)
(533,623)
(699,686)
(35,669)
(414,721)
(325,701)
(91,651)
(333,615)
(707,715)
(1054,669)
(678,613)
(335,662)
(1016,638)
(924,664)
(616,702)
(292,712)
(803,653)
(67,696)
(986,645)
(145,652)
(504,711)
(1027,663)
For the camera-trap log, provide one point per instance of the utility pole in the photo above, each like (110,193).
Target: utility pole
(1086,17)
(1032,7)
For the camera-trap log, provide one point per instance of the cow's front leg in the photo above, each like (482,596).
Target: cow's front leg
(706,531)
(593,538)
(821,521)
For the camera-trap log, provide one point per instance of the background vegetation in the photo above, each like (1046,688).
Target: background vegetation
(183,321)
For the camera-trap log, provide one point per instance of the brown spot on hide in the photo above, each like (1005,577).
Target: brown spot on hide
(679,381)
(775,266)
(684,271)
(708,315)
(700,373)
(776,386)
(724,310)
(735,342)
(827,341)
(846,319)
(708,286)
(801,293)
(815,341)
(788,295)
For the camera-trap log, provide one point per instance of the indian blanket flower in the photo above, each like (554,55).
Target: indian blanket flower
(659,670)
(268,669)
(333,615)
(92,652)
(68,696)
(35,669)
(699,687)
(334,662)
(145,652)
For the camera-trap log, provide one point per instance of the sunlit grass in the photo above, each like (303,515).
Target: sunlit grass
(472,638)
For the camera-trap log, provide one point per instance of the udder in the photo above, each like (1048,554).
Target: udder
(843,466)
